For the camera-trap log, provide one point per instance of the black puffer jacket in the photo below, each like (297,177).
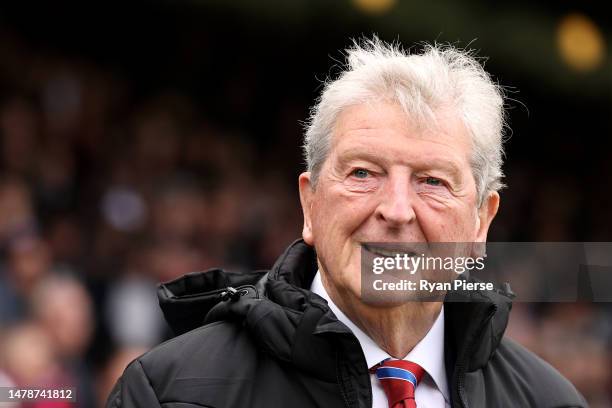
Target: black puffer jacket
(274,343)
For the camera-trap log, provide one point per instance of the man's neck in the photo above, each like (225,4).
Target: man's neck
(396,329)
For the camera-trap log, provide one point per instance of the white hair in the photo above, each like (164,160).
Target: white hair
(442,76)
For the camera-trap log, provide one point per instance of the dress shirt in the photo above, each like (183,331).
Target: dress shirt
(432,391)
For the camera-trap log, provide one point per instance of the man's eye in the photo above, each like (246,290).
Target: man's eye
(361,173)
(432,181)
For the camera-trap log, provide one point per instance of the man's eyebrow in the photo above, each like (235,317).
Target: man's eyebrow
(439,164)
(448,167)
(359,154)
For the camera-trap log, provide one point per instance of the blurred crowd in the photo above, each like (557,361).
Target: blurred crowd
(106,190)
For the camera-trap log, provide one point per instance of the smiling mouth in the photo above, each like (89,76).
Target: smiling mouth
(388,250)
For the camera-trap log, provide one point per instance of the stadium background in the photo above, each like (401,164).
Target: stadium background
(145,140)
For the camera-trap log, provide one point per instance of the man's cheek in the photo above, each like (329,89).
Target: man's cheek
(456,229)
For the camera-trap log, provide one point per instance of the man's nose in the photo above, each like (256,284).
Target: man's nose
(396,202)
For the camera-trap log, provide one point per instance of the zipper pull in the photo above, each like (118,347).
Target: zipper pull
(231,293)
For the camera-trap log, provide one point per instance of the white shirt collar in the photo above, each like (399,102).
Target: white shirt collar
(428,353)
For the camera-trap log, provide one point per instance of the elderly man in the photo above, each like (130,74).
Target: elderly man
(400,149)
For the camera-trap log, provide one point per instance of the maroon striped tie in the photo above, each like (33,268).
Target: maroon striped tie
(399,379)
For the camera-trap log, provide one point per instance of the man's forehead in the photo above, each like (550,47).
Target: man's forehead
(362,127)
(370,114)
(442,123)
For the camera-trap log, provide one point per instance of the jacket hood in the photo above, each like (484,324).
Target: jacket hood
(286,320)
(200,297)
(291,323)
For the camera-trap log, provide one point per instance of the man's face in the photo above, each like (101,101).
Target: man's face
(388,180)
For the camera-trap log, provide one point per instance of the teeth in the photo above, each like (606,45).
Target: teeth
(384,252)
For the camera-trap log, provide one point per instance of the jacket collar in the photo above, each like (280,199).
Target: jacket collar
(475,324)
(475,320)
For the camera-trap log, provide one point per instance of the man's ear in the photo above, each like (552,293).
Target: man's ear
(306,198)
(486,213)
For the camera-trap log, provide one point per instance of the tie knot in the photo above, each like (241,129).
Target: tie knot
(402,369)
(399,379)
